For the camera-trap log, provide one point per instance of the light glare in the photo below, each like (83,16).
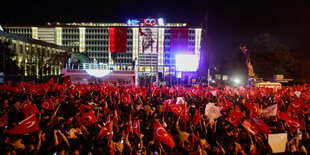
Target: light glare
(186,63)
(98,73)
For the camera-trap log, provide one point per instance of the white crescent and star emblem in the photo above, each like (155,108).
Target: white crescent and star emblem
(233,119)
(89,118)
(160,135)
(294,123)
(29,124)
(135,126)
(178,109)
(46,105)
(121,33)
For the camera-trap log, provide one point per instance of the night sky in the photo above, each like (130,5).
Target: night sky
(229,22)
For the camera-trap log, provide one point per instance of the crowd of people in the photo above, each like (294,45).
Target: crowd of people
(103,119)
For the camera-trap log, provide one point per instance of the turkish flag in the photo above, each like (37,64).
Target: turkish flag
(225,105)
(234,117)
(179,40)
(292,112)
(48,104)
(4,120)
(184,115)
(163,135)
(255,125)
(277,97)
(254,108)
(296,123)
(196,117)
(298,104)
(115,116)
(136,97)
(28,125)
(106,129)
(270,111)
(136,127)
(117,39)
(51,81)
(167,102)
(30,110)
(24,105)
(180,100)
(176,108)
(105,108)
(116,92)
(129,126)
(84,108)
(126,99)
(89,118)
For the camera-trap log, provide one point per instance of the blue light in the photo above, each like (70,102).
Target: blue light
(132,21)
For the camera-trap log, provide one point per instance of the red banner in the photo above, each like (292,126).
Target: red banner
(179,40)
(117,39)
(28,125)
(234,117)
(4,120)
(163,135)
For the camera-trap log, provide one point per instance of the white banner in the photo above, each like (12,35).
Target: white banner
(277,142)
(212,111)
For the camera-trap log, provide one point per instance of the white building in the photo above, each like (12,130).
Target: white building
(93,40)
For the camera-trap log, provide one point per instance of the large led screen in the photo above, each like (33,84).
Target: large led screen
(186,63)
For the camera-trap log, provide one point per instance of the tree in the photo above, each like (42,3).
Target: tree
(269,57)
(8,63)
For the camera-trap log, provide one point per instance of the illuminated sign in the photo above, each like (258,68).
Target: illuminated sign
(146,21)
(149,21)
(132,21)
(160,22)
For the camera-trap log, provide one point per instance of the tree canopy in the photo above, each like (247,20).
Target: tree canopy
(269,57)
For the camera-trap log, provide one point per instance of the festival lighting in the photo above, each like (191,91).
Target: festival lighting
(160,22)
(98,73)
(186,63)
(237,81)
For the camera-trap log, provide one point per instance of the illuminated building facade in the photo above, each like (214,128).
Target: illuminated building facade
(149,42)
(36,57)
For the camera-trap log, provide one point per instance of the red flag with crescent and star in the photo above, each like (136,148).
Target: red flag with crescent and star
(136,127)
(28,125)
(255,125)
(51,81)
(4,120)
(24,105)
(176,108)
(48,104)
(184,115)
(89,118)
(30,110)
(296,123)
(163,135)
(298,104)
(196,117)
(105,130)
(225,105)
(126,99)
(118,39)
(129,126)
(234,117)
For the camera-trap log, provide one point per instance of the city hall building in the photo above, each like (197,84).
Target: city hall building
(34,57)
(149,44)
